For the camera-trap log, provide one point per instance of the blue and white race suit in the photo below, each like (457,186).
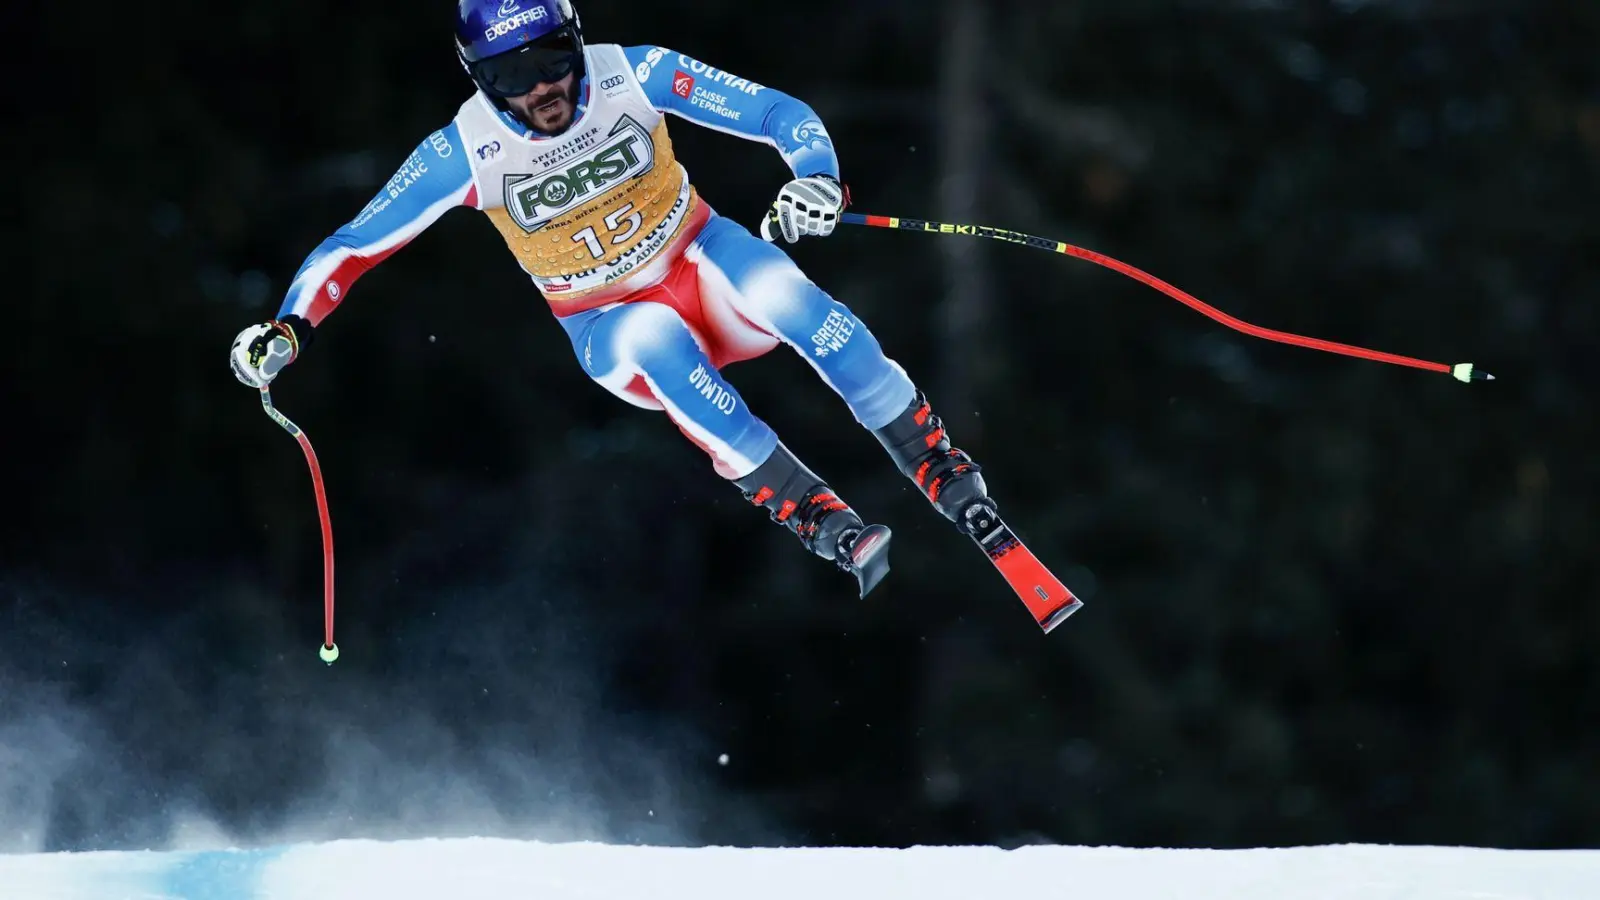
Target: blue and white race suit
(656,291)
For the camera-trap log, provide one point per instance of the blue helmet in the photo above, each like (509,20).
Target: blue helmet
(510,46)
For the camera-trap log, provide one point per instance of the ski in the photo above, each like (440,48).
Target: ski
(869,557)
(1039,590)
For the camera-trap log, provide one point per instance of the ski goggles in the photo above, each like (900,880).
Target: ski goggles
(544,61)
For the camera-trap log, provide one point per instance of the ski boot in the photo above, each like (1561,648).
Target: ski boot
(947,477)
(825,524)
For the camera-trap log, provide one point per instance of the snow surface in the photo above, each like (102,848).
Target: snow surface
(481,869)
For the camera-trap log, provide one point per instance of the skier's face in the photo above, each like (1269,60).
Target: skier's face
(549,107)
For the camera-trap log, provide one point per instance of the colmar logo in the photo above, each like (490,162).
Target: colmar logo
(333,291)
(717,76)
(682,84)
(703,381)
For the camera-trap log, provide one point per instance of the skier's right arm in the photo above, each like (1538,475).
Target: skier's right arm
(434,179)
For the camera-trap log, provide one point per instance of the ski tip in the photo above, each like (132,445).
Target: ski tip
(1467,372)
(1060,615)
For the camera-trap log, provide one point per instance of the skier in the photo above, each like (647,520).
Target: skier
(564,146)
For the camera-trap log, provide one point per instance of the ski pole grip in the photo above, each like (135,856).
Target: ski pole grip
(280,352)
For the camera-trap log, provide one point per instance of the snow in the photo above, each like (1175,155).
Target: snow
(482,869)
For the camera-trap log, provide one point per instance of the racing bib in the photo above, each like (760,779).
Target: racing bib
(584,209)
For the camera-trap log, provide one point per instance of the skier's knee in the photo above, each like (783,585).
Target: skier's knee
(780,298)
(652,330)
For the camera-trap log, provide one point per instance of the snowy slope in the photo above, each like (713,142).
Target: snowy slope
(480,869)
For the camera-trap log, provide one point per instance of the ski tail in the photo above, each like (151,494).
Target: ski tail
(1041,591)
(868,557)
(1050,602)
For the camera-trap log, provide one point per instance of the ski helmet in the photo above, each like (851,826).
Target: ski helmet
(509,46)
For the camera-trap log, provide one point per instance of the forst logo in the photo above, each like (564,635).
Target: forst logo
(514,21)
(533,200)
(682,84)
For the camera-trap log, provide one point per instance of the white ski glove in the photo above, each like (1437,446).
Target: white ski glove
(261,351)
(805,206)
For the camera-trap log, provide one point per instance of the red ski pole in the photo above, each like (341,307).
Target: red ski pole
(1464,372)
(329,651)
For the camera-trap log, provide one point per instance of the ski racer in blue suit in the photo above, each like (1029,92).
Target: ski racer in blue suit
(564,146)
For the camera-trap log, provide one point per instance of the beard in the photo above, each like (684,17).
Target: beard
(553,110)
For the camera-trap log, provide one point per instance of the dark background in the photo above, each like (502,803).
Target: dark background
(1328,600)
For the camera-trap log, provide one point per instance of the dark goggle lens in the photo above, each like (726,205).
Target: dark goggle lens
(544,62)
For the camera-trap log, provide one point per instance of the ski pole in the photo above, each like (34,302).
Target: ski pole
(329,651)
(1464,372)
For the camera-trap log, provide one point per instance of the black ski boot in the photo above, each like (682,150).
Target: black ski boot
(825,524)
(947,477)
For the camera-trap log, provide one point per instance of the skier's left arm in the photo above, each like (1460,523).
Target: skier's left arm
(707,96)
